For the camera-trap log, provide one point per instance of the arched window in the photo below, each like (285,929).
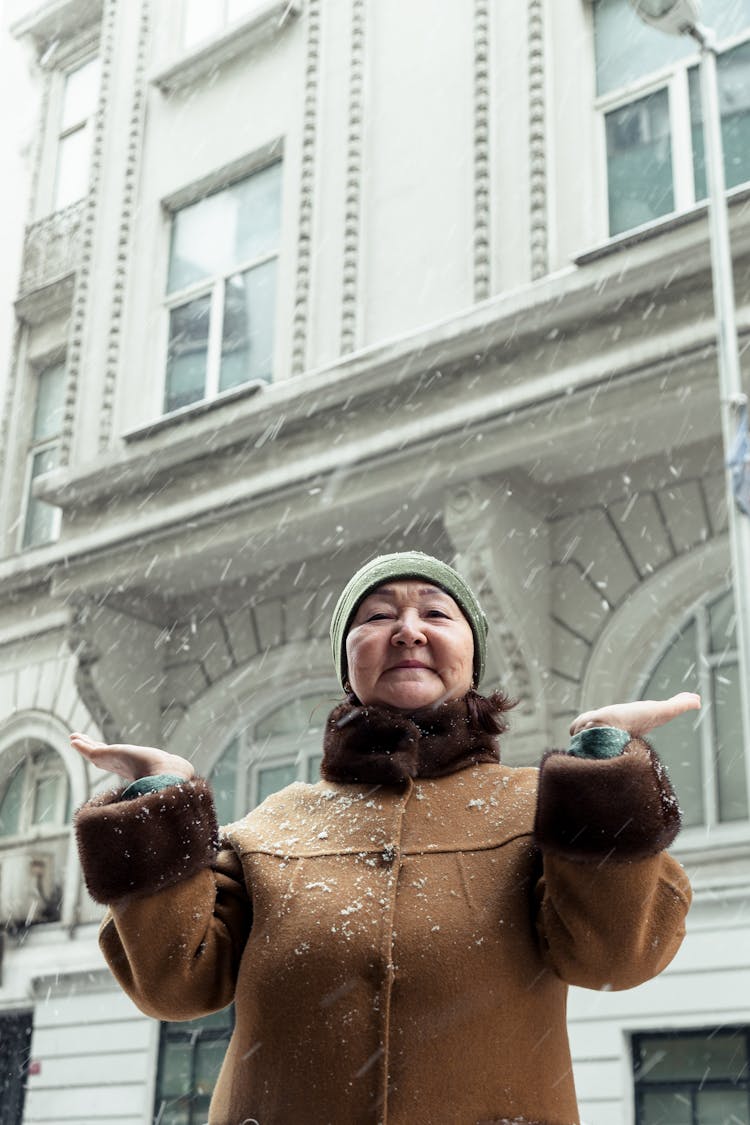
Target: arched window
(35,811)
(705,756)
(281,747)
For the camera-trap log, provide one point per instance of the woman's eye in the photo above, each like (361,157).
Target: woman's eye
(436,613)
(378,617)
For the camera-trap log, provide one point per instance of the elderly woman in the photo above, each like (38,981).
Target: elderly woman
(398,939)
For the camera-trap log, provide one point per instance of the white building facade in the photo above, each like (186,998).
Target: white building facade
(303,282)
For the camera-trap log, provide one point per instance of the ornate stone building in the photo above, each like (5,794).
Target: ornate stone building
(302,282)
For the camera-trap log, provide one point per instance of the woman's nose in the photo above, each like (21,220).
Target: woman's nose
(408,632)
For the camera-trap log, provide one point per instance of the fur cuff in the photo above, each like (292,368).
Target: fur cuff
(621,808)
(140,846)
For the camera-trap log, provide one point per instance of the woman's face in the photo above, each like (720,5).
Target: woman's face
(410,646)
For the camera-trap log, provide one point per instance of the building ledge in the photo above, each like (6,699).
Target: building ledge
(216,52)
(55,19)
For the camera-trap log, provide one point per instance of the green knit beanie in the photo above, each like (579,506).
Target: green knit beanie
(407,564)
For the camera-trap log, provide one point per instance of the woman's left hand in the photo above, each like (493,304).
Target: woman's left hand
(639,717)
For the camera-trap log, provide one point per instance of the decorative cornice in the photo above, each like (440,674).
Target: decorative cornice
(353,179)
(538,221)
(127,212)
(83,277)
(306,190)
(481,150)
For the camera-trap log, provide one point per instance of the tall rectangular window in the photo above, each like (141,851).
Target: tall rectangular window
(221,289)
(693,1077)
(190,1057)
(649,99)
(205,18)
(41,522)
(80,92)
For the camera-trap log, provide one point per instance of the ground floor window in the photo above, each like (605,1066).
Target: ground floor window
(15,1044)
(190,1057)
(693,1077)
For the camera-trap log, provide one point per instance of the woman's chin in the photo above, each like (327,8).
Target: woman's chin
(412,697)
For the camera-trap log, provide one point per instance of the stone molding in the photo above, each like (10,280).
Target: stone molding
(539,222)
(127,214)
(51,249)
(353,190)
(87,654)
(82,293)
(482,181)
(306,190)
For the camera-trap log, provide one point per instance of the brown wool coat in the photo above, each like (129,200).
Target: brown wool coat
(400,953)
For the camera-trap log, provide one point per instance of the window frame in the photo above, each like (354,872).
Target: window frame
(711,828)
(699,1084)
(66,69)
(214,286)
(672,77)
(35,446)
(30,832)
(171,1032)
(224,26)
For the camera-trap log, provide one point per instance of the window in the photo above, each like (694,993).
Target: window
(205,18)
(693,1078)
(221,289)
(41,522)
(190,1057)
(80,91)
(283,747)
(15,1045)
(649,98)
(705,757)
(35,812)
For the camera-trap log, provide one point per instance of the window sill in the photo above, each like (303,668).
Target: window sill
(193,410)
(212,54)
(658,227)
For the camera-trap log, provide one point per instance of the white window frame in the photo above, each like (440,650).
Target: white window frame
(673,78)
(223,25)
(215,287)
(34,447)
(711,828)
(29,832)
(75,63)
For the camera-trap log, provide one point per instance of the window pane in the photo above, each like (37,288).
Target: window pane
(723,623)
(722,1107)
(678,743)
(47,803)
(734,98)
(50,400)
(700,1057)
(236,9)
(10,804)
(187,353)
(247,336)
(639,162)
(306,712)
(223,779)
(626,49)
(73,160)
(673,1108)
(273,778)
(174,1078)
(209,1057)
(730,757)
(79,98)
(226,229)
(41,517)
(202,19)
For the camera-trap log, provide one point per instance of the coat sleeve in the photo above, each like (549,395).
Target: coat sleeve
(179,909)
(611,901)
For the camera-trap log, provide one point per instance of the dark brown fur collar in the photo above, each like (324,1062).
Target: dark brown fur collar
(379,745)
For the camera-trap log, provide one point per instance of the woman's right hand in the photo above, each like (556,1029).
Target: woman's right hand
(130,762)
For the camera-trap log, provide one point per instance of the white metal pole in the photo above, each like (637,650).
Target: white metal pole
(730,376)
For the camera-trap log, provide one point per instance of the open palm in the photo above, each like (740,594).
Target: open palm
(130,762)
(640,716)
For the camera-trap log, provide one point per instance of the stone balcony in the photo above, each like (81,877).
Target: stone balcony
(51,250)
